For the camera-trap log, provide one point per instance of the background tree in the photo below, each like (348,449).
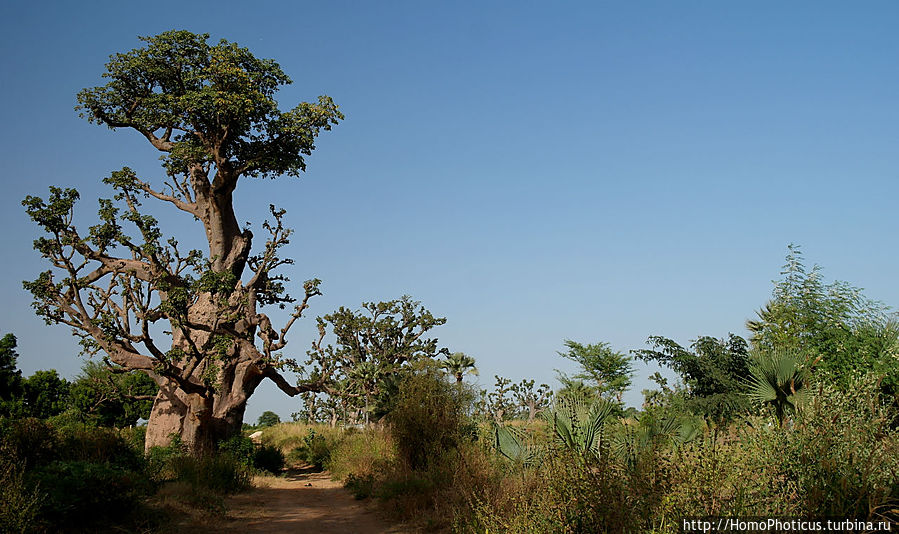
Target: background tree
(373,346)
(715,372)
(608,371)
(107,395)
(531,400)
(458,364)
(575,387)
(834,325)
(10,377)
(210,111)
(45,394)
(268,418)
(500,405)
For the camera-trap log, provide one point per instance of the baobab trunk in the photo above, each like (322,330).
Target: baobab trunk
(200,422)
(215,411)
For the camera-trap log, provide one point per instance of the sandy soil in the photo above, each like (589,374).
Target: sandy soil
(303,501)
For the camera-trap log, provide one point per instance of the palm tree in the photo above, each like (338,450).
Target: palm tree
(778,378)
(577,422)
(459,364)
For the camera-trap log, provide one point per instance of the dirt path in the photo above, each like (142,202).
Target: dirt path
(303,501)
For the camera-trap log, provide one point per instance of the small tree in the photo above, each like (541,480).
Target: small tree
(112,396)
(834,324)
(715,372)
(458,364)
(372,349)
(10,377)
(779,379)
(429,416)
(45,394)
(210,111)
(499,402)
(609,371)
(268,418)
(532,400)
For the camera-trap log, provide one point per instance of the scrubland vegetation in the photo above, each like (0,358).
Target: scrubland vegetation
(800,419)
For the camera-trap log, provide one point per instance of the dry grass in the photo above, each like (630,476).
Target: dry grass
(288,436)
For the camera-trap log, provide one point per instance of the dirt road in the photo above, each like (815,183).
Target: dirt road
(303,501)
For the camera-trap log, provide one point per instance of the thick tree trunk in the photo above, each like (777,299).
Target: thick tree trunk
(333,422)
(216,413)
(201,423)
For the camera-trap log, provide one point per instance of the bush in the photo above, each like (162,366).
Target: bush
(361,486)
(428,419)
(81,493)
(240,447)
(220,473)
(315,448)
(32,441)
(840,453)
(20,503)
(191,500)
(361,454)
(424,465)
(100,445)
(268,458)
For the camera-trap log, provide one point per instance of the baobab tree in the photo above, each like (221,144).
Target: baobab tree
(210,111)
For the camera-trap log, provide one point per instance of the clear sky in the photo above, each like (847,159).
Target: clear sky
(533,171)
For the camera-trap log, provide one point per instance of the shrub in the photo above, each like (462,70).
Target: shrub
(417,468)
(428,418)
(268,458)
(288,436)
(315,448)
(191,499)
(81,493)
(361,486)
(220,473)
(159,459)
(240,447)
(839,453)
(361,454)
(32,441)
(562,494)
(86,443)
(20,503)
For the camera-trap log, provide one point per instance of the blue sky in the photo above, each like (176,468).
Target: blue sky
(532,171)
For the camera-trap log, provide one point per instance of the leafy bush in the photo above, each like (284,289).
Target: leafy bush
(840,453)
(268,458)
(32,441)
(221,473)
(423,467)
(315,449)
(429,417)
(81,493)
(562,494)
(100,445)
(191,500)
(240,447)
(361,486)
